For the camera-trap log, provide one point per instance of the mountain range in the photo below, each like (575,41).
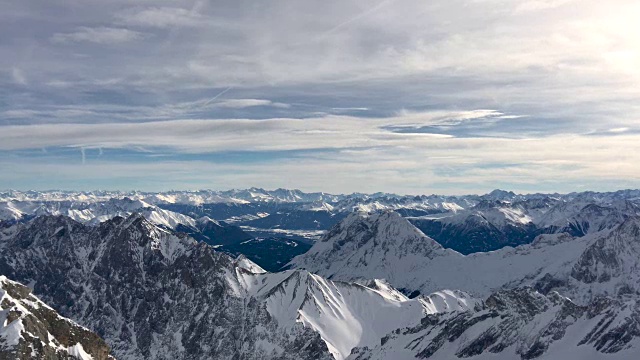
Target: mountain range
(373,286)
(467,224)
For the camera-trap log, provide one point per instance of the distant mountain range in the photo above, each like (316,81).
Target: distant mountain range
(467,224)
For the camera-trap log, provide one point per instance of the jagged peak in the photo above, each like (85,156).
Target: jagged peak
(489,204)
(205,220)
(499,193)
(520,299)
(53,220)
(629,227)
(33,325)
(387,223)
(245,263)
(136,219)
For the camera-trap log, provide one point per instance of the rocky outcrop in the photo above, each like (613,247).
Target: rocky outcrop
(32,330)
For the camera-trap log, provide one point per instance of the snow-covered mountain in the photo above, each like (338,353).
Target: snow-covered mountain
(487,226)
(30,329)
(156,294)
(197,197)
(385,245)
(559,295)
(93,212)
(518,323)
(380,245)
(467,224)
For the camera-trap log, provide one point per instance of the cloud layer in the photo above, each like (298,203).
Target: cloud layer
(400,95)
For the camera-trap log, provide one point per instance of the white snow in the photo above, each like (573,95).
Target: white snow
(345,315)
(78,351)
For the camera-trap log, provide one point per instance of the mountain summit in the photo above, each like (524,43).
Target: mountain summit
(369,245)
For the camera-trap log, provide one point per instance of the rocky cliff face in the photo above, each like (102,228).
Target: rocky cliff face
(32,330)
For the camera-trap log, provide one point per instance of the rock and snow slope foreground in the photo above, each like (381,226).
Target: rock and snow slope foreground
(29,329)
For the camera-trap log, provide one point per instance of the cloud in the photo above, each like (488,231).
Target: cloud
(98,35)
(18,76)
(472,91)
(245,103)
(161,17)
(443,166)
(536,5)
(619,130)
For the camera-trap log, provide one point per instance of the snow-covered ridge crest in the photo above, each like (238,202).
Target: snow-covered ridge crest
(346,315)
(93,212)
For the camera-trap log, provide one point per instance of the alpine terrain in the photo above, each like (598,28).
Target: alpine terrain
(169,276)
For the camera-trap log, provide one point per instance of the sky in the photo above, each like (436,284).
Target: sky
(403,96)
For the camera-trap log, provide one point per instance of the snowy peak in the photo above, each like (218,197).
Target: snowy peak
(345,315)
(139,235)
(501,195)
(446,301)
(244,263)
(370,245)
(206,221)
(361,228)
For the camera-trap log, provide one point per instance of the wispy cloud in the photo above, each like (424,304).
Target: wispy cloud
(161,17)
(244,103)
(18,76)
(98,35)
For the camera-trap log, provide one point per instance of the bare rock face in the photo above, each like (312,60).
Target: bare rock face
(33,330)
